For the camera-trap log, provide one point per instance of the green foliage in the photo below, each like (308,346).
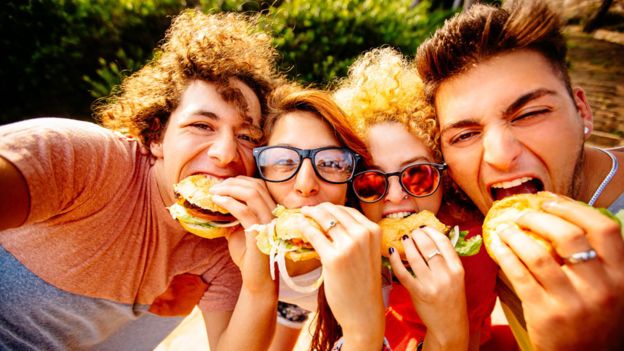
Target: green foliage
(319,39)
(58,55)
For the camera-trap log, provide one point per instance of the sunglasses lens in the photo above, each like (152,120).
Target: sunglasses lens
(277,164)
(335,165)
(369,186)
(420,180)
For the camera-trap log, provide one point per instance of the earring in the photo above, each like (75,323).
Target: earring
(586,130)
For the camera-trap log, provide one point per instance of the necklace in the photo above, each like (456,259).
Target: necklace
(607,179)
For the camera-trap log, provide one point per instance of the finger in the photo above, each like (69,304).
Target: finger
(373,227)
(325,217)
(319,241)
(431,254)
(566,237)
(250,192)
(443,244)
(540,263)
(521,279)
(415,259)
(603,233)
(246,216)
(403,275)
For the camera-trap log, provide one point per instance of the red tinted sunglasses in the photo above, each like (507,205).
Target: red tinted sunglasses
(418,180)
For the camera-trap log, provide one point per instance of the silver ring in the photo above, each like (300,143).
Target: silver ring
(330,225)
(581,256)
(433,254)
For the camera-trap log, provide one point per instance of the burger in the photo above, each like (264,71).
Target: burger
(283,239)
(393,230)
(285,234)
(196,212)
(503,214)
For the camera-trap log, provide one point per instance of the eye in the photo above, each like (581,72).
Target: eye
(202,126)
(527,116)
(248,138)
(464,136)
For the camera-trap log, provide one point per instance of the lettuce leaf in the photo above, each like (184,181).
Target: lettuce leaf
(468,247)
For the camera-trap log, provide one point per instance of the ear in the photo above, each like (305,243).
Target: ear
(582,106)
(156,149)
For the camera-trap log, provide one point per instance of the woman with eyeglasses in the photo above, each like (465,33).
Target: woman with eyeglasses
(384,99)
(310,156)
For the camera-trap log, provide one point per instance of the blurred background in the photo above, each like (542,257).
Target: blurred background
(58,56)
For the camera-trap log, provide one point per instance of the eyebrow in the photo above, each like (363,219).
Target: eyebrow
(526,98)
(403,164)
(516,105)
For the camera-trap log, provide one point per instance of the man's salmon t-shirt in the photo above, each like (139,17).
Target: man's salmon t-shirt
(99,263)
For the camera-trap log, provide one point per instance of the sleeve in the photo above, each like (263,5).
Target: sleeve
(65,163)
(224,283)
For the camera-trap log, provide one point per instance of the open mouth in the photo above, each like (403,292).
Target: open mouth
(525,185)
(399,215)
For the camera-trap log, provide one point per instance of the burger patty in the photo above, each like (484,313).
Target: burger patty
(207,214)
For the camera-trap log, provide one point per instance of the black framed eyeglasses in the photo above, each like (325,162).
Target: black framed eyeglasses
(418,180)
(278,163)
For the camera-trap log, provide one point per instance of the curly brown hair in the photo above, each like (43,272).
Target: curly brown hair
(215,48)
(383,86)
(485,31)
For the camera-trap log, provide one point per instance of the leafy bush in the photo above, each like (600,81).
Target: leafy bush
(319,39)
(58,55)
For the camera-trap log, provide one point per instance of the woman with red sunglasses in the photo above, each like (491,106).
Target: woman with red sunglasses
(446,304)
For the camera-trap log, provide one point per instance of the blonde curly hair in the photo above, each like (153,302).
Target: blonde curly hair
(382,86)
(213,48)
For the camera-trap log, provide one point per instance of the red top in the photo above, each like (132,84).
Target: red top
(404,329)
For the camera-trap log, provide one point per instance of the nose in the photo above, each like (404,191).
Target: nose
(224,149)
(501,148)
(395,190)
(306,182)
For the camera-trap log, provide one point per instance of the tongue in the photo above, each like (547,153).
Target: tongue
(524,188)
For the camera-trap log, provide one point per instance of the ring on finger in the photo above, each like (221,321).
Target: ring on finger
(330,225)
(433,254)
(581,256)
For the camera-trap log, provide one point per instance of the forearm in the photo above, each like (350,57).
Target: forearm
(252,323)
(372,342)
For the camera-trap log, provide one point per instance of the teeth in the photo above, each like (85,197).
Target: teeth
(399,214)
(511,184)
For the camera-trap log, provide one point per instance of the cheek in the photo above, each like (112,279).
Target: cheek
(336,193)
(279,191)
(248,162)
(430,203)
(373,211)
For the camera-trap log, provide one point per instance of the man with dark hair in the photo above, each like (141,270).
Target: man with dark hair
(90,257)
(511,123)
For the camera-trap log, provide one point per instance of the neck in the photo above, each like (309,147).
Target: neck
(594,170)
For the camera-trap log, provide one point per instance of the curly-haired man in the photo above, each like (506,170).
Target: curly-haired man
(90,257)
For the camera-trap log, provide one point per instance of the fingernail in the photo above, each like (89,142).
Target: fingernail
(391,250)
(405,237)
(549,204)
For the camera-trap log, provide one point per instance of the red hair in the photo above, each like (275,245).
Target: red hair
(291,98)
